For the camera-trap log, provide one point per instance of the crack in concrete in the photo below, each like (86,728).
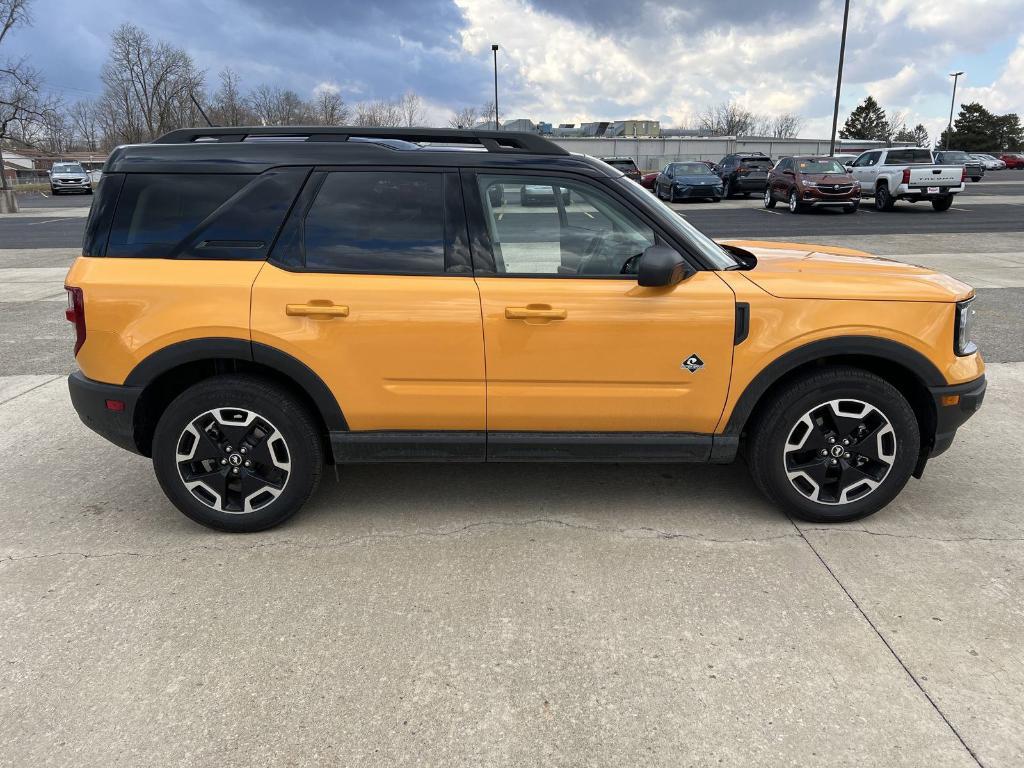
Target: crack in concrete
(31,389)
(653,533)
(914,535)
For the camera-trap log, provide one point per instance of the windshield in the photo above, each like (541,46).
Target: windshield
(67,168)
(712,252)
(622,165)
(820,166)
(691,169)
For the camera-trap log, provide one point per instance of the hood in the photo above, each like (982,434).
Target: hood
(828,178)
(697,178)
(796,271)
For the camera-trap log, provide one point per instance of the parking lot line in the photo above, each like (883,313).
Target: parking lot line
(765,210)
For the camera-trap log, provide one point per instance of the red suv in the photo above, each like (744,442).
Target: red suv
(1012,159)
(812,182)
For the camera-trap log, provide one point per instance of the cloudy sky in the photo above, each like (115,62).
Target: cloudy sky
(570,60)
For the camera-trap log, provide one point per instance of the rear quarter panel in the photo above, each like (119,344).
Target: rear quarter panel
(134,307)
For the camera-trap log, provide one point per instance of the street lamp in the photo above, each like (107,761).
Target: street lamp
(949,128)
(494,49)
(839,80)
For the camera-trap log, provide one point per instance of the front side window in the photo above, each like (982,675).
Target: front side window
(377,222)
(556,227)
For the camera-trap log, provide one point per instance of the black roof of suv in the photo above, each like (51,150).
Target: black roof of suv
(256,149)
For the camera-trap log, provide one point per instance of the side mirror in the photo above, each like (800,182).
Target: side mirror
(661,266)
(788,172)
(849,168)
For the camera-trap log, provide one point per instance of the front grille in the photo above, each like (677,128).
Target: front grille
(835,189)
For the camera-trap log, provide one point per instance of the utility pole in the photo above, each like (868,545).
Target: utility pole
(839,79)
(952,102)
(494,49)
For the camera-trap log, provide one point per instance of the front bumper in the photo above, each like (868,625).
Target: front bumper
(90,399)
(696,190)
(953,406)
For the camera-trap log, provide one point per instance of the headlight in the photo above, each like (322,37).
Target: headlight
(810,183)
(963,343)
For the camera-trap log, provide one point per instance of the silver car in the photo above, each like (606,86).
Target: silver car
(69,177)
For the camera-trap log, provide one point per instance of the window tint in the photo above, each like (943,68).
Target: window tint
(378,222)
(908,157)
(554,227)
(156,211)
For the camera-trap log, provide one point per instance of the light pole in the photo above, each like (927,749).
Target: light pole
(839,80)
(949,128)
(494,49)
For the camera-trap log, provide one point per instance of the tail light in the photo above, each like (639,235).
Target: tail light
(75,313)
(906,175)
(963,175)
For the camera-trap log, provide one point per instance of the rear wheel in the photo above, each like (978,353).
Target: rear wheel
(237,453)
(835,445)
(883,200)
(942,203)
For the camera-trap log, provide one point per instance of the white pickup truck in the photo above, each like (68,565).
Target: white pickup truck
(906,173)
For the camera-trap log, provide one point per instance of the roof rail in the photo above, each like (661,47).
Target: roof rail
(492,141)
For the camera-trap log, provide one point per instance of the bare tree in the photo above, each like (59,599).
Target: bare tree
(328,108)
(467,117)
(727,119)
(276,106)
(85,124)
(23,108)
(229,107)
(411,107)
(784,126)
(378,114)
(487,113)
(149,87)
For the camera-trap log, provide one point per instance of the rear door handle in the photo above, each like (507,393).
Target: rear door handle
(326,311)
(535,312)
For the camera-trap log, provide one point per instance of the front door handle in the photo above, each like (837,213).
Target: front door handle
(535,312)
(326,311)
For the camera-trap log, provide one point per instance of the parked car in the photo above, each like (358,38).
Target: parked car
(715,167)
(624,164)
(679,181)
(246,311)
(69,177)
(745,173)
(541,194)
(805,182)
(1012,159)
(975,168)
(988,161)
(907,173)
(648,179)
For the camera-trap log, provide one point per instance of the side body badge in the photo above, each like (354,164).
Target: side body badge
(693,363)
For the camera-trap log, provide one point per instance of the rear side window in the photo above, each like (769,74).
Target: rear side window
(97,227)
(156,211)
(377,222)
(908,157)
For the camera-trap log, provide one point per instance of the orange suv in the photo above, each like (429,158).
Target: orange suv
(252,303)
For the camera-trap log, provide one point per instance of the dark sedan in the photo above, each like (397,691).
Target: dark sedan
(974,167)
(679,181)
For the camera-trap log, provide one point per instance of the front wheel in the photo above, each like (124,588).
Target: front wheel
(237,453)
(794,203)
(942,203)
(851,208)
(834,446)
(769,201)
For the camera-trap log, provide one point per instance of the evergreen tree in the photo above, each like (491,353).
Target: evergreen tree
(867,122)
(978,130)
(918,134)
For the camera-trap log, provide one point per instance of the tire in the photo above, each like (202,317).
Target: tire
(942,203)
(716,199)
(795,206)
(853,480)
(883,200)
(851,208)
(287,460)
(769,201)
(727,188)
(975,178)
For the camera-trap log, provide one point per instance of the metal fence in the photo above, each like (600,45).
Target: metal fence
(652,154)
